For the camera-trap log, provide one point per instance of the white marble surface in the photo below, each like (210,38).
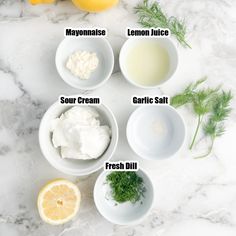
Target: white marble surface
(193,197)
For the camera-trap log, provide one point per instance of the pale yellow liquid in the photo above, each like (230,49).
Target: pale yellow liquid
(147,63)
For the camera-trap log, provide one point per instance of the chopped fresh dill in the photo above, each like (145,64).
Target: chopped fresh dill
(126,186)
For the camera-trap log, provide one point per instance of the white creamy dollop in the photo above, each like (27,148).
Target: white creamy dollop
(79,134)
(82,63)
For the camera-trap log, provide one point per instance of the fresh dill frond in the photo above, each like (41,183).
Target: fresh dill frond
(220,112)
(187,95)
(151,16)
(207,102)
(215,127)
(203,100)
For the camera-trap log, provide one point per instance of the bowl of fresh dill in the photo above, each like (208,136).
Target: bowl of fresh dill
(124,197)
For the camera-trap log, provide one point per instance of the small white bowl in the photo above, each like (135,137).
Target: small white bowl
(104,53)
(125,213)
(165,43)
(69,166)
(155,132)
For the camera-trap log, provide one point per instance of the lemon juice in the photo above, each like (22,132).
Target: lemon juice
(147,63)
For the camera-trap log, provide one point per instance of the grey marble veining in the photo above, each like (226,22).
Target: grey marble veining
(193,197)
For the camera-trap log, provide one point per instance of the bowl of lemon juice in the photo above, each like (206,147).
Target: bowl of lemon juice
(148,62)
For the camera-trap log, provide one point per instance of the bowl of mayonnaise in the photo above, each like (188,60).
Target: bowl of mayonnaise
(85,63)
(77,140)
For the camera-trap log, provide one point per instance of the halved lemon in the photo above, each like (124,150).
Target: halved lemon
(58,201)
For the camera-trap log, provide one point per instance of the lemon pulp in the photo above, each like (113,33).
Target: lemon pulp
(58,202)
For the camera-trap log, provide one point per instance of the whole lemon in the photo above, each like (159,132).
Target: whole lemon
(94,5)
(35,2)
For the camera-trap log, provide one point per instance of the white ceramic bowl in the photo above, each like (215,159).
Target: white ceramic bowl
(155,132)
(124,213)
(69,166)
(104,53)
(165,43)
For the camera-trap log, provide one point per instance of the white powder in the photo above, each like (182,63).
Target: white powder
(82,63)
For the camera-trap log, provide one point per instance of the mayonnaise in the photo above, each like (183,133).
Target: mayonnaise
(82,64)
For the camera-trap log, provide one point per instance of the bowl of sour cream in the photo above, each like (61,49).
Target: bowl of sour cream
(148,62)
(78,139)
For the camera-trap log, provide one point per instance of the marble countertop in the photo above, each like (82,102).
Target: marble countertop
(193,197)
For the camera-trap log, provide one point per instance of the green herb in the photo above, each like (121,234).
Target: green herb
(126,186)
(201,101)
(151,15)
(187,95)
(215,124)
(202,104)
(206,102)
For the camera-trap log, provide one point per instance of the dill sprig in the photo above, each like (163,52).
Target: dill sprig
(187,95)
(220,112)
(126,186)
(202,104)
(206,102)
(201,101)
(151,15)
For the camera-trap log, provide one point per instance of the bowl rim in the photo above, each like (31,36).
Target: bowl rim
(121,62)
(92,87)
(147,157)
(67,170)
(133,222)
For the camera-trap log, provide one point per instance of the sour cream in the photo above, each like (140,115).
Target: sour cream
(79,134)
(82,63)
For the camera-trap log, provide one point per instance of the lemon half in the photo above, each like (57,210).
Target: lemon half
(58,202)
